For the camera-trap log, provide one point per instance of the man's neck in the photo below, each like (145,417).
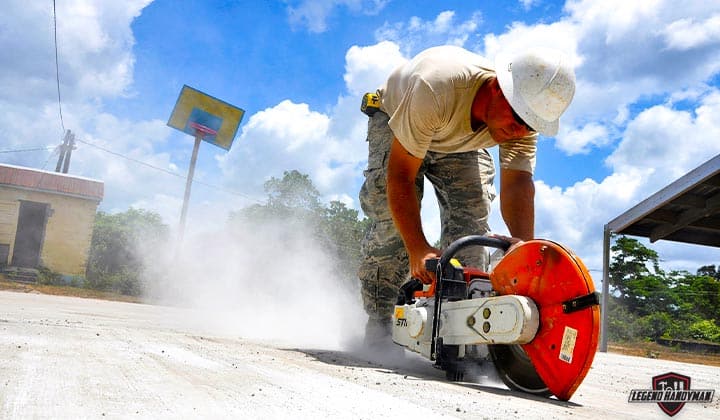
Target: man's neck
(479,108)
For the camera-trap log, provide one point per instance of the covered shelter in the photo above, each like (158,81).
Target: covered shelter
(687,210)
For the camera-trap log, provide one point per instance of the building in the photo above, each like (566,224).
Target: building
(46,219)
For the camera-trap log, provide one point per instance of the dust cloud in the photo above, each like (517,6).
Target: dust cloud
(275,283)
(270,282)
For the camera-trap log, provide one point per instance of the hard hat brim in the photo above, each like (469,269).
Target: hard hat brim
(504,74)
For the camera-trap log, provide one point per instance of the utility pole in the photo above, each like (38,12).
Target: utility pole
(66,149)
(68,152)
(63,146)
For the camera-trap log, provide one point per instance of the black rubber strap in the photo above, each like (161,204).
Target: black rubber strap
(581,302)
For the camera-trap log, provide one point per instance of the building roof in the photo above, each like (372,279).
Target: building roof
(51,182)
(688,210)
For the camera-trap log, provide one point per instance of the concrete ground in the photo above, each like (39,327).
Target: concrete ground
(66,357)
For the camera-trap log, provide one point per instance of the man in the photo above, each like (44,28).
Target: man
(439,113)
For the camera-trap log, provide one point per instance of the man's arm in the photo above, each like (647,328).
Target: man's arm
(405,209)
(517,202)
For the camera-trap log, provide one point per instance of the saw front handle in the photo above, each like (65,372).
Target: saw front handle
(440,266)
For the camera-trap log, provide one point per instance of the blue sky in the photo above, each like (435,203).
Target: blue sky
(645,112)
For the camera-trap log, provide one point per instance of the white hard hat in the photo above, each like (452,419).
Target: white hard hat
(539,84)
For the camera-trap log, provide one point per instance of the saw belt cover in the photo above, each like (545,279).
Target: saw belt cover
(551,275)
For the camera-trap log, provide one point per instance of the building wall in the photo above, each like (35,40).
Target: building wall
(8,226)
(68,231)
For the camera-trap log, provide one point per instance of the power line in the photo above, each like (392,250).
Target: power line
(169,172)
(57,67)
(52,153)
(34,149)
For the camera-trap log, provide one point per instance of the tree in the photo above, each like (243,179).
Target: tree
(119,249)
(295,190)
(638,281)
(649,303)
(294,200)
(698,296)
(709,270)
(342,233)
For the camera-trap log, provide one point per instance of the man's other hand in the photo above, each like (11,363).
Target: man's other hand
(514,242)
(417,264)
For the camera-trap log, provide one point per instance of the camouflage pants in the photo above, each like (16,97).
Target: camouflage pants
(463,184)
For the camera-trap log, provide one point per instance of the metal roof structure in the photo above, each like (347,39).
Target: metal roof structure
(688,210)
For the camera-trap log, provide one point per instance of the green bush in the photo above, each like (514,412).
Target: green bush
(623,325)
(121,244)
(706,330)
(656,325)
(49,277)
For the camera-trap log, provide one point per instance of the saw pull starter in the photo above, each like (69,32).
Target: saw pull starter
(535,316)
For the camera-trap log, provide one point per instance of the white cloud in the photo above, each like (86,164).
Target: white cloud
(366,68)
(579,141)
(528,4)
(291,136)
(575,215)
(314,13)
(561,35)
(300,126)
(686,33)
(94,49)
(417,34)
(672,141)
(284,136)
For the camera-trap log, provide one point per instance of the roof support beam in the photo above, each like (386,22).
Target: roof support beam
(686,218)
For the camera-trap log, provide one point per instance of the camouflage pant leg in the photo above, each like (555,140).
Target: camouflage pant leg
(384,266)
(383,269)
(464,189)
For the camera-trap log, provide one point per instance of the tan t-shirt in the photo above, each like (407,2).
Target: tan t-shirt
(429,99)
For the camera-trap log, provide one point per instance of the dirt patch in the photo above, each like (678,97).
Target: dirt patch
(656,351)
(65,291)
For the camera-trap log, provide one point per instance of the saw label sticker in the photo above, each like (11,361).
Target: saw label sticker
(568,344)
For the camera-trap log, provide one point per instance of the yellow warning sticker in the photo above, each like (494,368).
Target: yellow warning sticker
(399,312)
(568,344)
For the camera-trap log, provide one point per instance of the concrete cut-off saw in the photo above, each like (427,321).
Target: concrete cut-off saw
(535,315)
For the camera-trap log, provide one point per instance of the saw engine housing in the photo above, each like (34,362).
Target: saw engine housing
(535,315)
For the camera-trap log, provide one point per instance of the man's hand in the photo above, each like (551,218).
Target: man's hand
(514,242)
(417,264)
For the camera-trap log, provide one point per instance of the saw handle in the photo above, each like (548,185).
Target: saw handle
(432,264)
(467,241)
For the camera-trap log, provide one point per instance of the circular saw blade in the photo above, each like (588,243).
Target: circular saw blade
(516,370)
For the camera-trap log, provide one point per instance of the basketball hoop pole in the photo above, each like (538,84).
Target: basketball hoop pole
(191,171)
(206,119)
